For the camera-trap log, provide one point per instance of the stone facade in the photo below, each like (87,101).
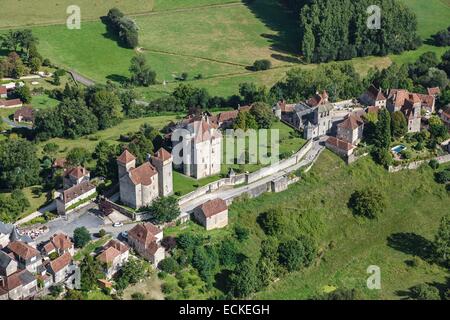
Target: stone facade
(373,97)
(212,214)
(145,239)
(140,186)
(202,148)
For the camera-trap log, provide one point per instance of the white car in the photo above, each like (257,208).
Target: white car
(117,224)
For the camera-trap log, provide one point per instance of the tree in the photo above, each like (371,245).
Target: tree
(383,130)
(244,121)
(241,233)
(141,73)
(169,265)
(368,203)
(81,237)
(251,93)
(51,149)
(308,44)
(23,93)
(56,79)
(399,125)
(425,292)
(263,115)
(243,280)
(107,107)
(78,156)
(441,242)
(133,271)
(271,221)
(164,209)
(18,171)
(91,271)
(229,253)
(297,253)
(106,165)
(187,241)
(169,243)
(442,38)
(205,260)
(437,128)
(443,176)
(13,205)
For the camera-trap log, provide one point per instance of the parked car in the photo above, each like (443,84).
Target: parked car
(117,224)
(124,234)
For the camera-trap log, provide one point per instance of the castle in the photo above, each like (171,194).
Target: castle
(202,153)
(139,186)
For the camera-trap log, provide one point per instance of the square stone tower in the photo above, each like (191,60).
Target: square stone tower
(125,162)
(162,160)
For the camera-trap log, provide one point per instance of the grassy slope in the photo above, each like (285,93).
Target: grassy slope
(318,205)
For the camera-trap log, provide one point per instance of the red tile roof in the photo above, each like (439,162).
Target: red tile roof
(339,144)
(144,233)
(228,115)
(77,172)
(126,157)
(213,207)
(351,122)
(77,190)
(13,103)
(143,174)
(118,245)
(108,255)
(163,154)
(23,250)
(61,262)
(3,90)
(318,99)
(434,91)
(61,241)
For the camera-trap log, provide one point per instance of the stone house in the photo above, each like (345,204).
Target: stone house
(373,97)
(9,232)
(140,186)
(340,147)
(59,268)
(145,239)
(70,197)
(24,114)
(21,284)
(59,243)
(198,147)
(114,255)
(212,214)
(75,176)
(409,104)
(26,256)
(351,129)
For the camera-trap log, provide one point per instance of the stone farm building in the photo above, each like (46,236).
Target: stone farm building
(145,239)
(212,214)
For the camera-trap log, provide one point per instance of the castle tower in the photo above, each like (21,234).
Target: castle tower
(162,160)
(125,162)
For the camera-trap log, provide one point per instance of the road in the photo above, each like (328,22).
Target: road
(228,193)
(14,124)
(81,79)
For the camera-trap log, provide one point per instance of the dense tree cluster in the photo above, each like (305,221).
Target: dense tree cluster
(442,38)
(337,29)
(123,28)
(340,80)
(23,54)
(11,206)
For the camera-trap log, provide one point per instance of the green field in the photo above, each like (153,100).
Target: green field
(318,205)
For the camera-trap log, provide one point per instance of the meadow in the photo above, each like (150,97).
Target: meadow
(317,205)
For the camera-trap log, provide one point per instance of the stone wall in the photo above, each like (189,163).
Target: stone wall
(416,164)
(248,178)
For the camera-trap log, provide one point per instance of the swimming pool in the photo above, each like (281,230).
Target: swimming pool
(399,148)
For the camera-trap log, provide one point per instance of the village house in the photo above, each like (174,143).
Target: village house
(314,116)
(113,256)
(3,92)
(24,114)
(15,283)
(140,186)
(212,214)
(351,129)
(75,176)
(26,256)
(340,147)
(12,103)
(60,268)
(373,97)
(445,116)
(409,104)
(9,232)
(67,199)
(145,239)
(59,243)
(202,148)
(284,111)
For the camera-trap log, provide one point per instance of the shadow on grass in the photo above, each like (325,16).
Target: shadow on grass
(118,78)
(411,294)
(411,243)
(280,20)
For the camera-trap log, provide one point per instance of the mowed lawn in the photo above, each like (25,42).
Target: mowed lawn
(19,13)
(317,205)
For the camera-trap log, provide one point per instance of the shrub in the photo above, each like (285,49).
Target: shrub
(138,296)
(241,233)
(367,203)
(169,265)
(102,233)
(297,253)
(425,292)
(271,221)
(263,64)
(81,237)
(443,176)
(434,164)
